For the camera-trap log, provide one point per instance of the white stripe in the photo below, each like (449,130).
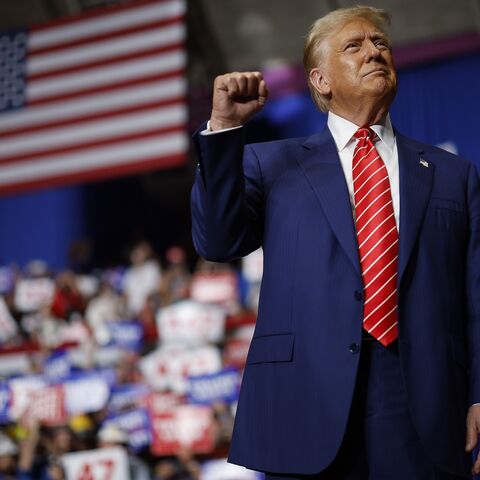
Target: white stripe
(93,104)
(360,216)
(371,218)
(375,229)
(106,49)
(380,256)
(116,21)
(380,272)
(379,305)
(360,174)
(376,245)
(373,188)
(358,161)
(106,156)
(106,75)
(389,328)
(382,287)
(371,175)
(91,131)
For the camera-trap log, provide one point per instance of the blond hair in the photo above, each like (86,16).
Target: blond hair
(325,26)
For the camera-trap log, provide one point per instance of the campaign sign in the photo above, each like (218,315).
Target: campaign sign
(7,279)
(100,464)
(138,426)
(48,406)
(88,394)
(215,287)
(8,326)
(169,367)
(126,334)
(5,400)
(23,391)
(208,389)
(124,397)
(252,266)
(159,402)
(32,293)
(192,323)
(57,366)
(186,426)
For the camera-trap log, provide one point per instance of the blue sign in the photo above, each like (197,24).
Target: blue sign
(126,396)
(7,280)
(5,400)
(207,389)
(58,366)
(138,426)
(127,334)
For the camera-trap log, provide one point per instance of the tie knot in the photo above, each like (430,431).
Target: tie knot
(364,133)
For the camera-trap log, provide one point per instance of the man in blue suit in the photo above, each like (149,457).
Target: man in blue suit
(342,381)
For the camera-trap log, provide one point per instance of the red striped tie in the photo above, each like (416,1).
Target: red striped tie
(377,238)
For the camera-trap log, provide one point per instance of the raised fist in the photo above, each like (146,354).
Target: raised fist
(237,97)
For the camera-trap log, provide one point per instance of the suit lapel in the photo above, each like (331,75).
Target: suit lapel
(321,165)
(416,178)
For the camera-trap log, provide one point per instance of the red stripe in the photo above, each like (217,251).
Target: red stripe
(79,147)
(107,88)
(97,174)
(32,52)
(110,61)
(95,116)
(94,13)
(379,233)
(384,277)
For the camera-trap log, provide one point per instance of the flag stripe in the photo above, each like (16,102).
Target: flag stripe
(21,145)
(117,48)
(105,36)
(123,100)
(105,20)
(121,153)
(105,76)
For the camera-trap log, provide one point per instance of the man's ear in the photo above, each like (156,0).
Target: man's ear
(320,82)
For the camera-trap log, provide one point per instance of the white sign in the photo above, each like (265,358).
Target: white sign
(32,293)
(252,266)
(24,390)
(191,322)
(86,395)
(169,367)
(8,326)
(100,464)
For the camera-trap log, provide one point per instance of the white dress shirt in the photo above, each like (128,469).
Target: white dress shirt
(343,130)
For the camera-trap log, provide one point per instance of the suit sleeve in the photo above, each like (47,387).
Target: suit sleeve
(227,197)
(473,283)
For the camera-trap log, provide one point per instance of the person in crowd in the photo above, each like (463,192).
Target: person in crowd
(369,312)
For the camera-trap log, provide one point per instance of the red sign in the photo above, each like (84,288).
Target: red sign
(157,402)
(186,426)
(48,406)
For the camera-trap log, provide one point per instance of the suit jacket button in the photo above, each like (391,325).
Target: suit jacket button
(358,295)
(354,348)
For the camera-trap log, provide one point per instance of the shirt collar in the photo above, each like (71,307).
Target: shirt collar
(343,130)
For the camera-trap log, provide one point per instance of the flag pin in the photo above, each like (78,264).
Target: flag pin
(423,163)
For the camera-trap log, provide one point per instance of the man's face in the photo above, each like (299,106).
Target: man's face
(358,66)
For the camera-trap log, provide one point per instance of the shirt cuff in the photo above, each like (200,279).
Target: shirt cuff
(207,131)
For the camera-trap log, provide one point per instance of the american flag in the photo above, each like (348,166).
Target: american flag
(93,96)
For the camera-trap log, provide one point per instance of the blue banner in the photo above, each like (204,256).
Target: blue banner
(57,367)
(208,389)
(137,424)
(127,334)
(5,400)
(126,396)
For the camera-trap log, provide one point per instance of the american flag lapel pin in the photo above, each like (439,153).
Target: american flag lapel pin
(423,163)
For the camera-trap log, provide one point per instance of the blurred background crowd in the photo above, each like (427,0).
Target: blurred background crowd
(146,357)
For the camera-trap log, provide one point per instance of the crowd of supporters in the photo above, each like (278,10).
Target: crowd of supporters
(131,371)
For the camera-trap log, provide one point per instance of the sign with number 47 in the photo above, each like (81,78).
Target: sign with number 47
(100,464)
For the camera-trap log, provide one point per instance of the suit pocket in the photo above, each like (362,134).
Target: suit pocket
(271,348)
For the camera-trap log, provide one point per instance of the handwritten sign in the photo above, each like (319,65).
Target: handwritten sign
(100,464)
